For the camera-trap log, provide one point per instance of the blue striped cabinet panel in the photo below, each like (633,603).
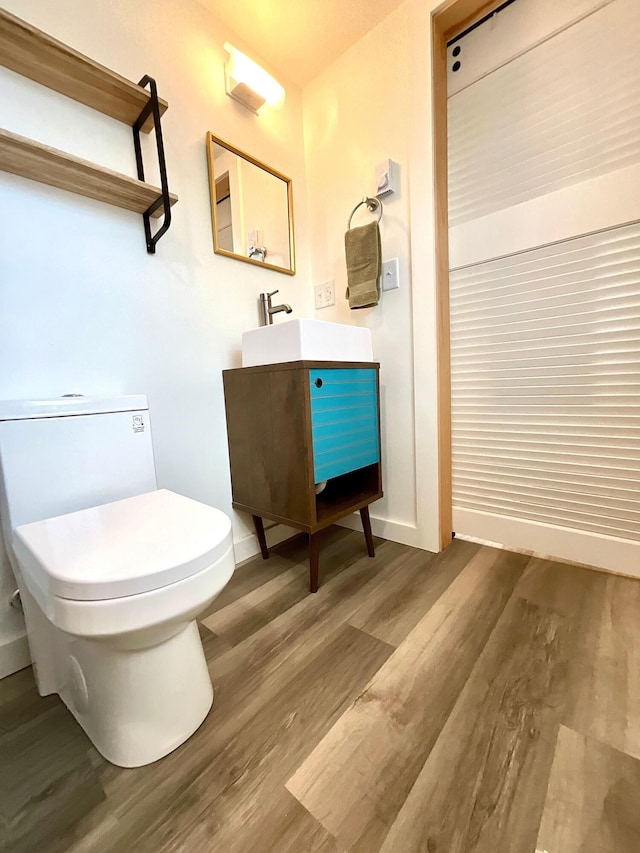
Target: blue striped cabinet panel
(344,420)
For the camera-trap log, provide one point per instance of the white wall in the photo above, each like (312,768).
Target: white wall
(229,163)
(266,211)
(372,104)
(83,307)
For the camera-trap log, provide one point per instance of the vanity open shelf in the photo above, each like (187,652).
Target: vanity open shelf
(348,493)
(304,445)
(36,55)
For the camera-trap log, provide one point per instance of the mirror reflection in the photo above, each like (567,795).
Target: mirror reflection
(251,208)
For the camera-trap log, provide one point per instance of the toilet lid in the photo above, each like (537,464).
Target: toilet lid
(124,547)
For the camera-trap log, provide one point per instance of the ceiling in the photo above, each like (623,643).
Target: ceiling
(300,38)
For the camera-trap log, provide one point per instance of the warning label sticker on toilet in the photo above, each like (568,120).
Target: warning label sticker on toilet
(138,423)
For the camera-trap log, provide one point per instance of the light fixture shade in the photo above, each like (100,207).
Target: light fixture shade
(248,83)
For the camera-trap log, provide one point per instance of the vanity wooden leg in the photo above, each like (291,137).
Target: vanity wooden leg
(366,526)
(314,561)
(262,539)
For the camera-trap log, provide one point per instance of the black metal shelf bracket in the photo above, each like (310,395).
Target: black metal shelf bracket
(152,108)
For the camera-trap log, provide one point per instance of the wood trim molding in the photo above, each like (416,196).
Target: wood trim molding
(456,15)
(441,217)
(450,19)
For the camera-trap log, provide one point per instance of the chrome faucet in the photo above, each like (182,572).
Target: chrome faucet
(267,310)
(258,253)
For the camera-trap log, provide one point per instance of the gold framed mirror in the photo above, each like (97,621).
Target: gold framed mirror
(251,208)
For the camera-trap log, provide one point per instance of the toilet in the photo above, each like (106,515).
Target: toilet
(112,571)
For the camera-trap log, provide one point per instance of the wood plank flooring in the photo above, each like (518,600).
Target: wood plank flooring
(592,799)
(471,701)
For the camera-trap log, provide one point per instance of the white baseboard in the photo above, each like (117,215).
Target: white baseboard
(14,648)
(248,546)
(594,550)
(396,531)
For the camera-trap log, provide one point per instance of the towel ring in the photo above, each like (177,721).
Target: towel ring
(372,204)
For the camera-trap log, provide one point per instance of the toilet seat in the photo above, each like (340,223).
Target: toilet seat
(123,548)
(119,618)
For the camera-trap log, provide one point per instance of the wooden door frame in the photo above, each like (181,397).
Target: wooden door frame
(448,20)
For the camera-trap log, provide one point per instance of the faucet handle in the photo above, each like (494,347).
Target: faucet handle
(273,293)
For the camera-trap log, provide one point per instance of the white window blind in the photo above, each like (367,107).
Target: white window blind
(545,354)
(565,111)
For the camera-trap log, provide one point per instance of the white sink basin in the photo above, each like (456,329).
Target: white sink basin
(305,340)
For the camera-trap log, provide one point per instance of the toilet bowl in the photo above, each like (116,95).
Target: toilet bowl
(112,593)
(111,590)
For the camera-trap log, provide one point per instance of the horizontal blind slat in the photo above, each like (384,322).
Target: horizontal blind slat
(624,473)
(572,508)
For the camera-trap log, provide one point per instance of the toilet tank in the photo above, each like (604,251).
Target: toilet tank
(59,456)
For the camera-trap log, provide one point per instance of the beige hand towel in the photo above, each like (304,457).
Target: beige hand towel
(364,264)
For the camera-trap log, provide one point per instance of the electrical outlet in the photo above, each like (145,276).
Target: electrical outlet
(325,294)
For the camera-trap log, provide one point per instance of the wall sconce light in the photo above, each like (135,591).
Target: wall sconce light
(249,84)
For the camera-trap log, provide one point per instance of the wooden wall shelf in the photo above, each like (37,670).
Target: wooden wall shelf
(38,56)
(29,159)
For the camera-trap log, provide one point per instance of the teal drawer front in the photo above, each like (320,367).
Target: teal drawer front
(344,420)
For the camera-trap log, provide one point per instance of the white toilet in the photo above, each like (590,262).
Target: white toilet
(112,571)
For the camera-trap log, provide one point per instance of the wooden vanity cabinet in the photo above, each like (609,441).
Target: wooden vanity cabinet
(296,424)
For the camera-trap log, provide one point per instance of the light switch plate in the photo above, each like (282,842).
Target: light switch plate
(391,274)
(386,178)
(325,294)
